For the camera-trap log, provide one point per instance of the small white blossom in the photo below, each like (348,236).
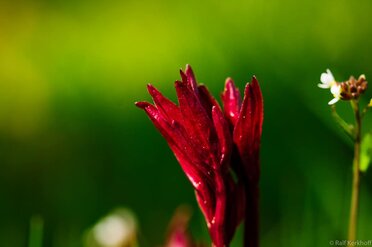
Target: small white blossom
(336,91)
(327,80)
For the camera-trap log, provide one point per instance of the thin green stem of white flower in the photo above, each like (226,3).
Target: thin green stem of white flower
(356,174)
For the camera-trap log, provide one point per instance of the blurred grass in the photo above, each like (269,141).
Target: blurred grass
(73,146)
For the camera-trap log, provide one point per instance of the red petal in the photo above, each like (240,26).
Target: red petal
(247,131)
(207,100)
(191,80)
(231,101)
(206,200)
(165,106)
(219,223)
(223,134)
(236,208)
(198,125)
(188,159)
(259,116)
(183,76)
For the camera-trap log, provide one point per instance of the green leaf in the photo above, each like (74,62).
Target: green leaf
(365,152)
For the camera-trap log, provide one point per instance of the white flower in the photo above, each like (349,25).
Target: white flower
(327,80)
(336,91)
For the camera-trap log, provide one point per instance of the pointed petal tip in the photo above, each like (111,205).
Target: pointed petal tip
(254,79)
(189,71)
(229,84)
(141,104)
(183,76)
(229,80)
(179,84)
(247,86)
(152,90)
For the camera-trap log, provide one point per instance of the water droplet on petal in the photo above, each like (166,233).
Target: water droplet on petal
(213,220)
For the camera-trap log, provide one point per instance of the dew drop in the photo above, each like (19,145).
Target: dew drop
(213,220)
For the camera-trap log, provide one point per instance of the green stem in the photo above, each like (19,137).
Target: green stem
(356,174)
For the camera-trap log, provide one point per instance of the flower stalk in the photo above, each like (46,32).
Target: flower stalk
(356,174)
(252,219)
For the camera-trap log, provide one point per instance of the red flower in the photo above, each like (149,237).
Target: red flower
(211,145)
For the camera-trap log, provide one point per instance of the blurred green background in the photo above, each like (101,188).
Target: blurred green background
(73,146)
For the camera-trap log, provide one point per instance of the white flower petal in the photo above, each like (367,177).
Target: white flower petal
(327,78)
(336,90)
(333,101)
(323,86)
